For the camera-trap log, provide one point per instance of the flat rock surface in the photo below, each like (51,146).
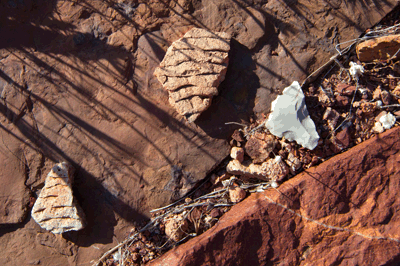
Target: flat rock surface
(344,211)
(77,84)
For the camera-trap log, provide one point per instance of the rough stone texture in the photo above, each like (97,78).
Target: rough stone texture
(68,94)
(55,209)
(236,194)
(252,29)
(176,227)
(293,162)
(237,153)
(289,118)
(14,196)
(381,48)
(259,146)
(273,169)
(331,116)
(71,90)
(345,211)
(192,70)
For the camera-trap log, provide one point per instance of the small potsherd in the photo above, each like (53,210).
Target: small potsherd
(192,70)
(55,209)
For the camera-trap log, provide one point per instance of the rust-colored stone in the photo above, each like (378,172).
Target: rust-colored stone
(344,209)
(260,146)
(381,48)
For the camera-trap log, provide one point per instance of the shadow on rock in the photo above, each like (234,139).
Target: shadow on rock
(235,102)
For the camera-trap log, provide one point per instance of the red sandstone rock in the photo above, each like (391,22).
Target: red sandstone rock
(345,89)
(381,48)
(346,209)
(259,147)
(100,106)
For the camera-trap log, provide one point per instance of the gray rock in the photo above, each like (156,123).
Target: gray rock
(55,209)
(192,69)
(290,119)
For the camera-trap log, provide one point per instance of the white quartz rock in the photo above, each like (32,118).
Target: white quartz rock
(356,70)
(387,120)
(290,119)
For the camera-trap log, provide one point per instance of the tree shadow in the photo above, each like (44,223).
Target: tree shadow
(31,30)
(237,94)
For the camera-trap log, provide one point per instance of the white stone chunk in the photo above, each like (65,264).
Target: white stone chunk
(290,118)
(387,120)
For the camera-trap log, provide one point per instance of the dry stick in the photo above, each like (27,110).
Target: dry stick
(178,208)
(112,250)
(317,72)
(390,106)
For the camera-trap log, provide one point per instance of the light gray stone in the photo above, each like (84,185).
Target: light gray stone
(290,119)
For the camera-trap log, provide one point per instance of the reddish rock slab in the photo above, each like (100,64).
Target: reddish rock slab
(14,195)
(381,48)
(345,211)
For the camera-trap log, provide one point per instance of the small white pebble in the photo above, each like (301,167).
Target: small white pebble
(117,256)
(379,103)
(388,120)
(225,183)
(356,70)
(274,184)
(259,189)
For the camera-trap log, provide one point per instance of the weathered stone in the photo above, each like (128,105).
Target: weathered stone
(350,202)
(236,194)
(386,97)
(55,209)
(378,127)
(132,140)
(345,89)
(376,95)
(331,116)
(290,119)
(271,170)
(293,162)
(381,48)
(396,91)
(259,148)
(325,98)
(176,227)
(384,121)
(341,140)
(366,107)
(342,100)
(192,70)
(237,154)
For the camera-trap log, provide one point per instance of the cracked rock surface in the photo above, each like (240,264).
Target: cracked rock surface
(323,216)
(192,70)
